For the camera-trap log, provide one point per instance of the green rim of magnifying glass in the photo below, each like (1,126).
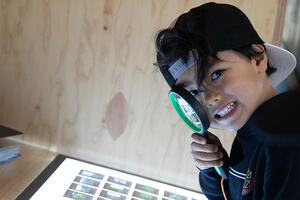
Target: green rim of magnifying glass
(172,96)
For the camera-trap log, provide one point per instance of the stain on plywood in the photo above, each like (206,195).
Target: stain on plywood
(116,116)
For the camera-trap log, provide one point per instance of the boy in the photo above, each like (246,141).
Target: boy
(233,74)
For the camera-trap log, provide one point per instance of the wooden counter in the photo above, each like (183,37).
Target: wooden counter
(16,175)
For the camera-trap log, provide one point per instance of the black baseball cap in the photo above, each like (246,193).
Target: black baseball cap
(226,27)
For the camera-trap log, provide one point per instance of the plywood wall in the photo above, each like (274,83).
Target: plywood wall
(77,78)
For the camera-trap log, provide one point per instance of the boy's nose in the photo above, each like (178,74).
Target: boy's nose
(212,98)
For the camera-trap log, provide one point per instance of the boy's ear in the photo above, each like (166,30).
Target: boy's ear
(261,59)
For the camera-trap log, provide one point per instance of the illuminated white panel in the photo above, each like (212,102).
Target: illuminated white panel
(74,179)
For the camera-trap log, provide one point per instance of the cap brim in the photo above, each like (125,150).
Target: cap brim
(281,59)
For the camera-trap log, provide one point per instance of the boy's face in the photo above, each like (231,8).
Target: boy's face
(234,88)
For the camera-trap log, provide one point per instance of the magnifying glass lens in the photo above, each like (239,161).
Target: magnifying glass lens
(188,111)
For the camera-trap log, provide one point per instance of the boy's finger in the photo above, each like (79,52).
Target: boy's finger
(198,138)
(208,148)
(208,164)
(207,156)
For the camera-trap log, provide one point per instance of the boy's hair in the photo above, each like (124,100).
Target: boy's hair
(174,43)
(203,31)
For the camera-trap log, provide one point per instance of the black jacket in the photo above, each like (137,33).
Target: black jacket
(265,155)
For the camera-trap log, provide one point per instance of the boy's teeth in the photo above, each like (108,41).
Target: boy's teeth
(227,109)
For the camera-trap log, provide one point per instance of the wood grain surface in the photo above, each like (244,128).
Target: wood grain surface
(77,77)
(16,175)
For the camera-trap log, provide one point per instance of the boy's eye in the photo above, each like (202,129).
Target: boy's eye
(194,92)
(216,74)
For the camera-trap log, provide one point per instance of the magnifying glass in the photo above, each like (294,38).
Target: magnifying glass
(192,113)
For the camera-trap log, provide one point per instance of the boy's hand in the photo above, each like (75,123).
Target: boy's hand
(206,155)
